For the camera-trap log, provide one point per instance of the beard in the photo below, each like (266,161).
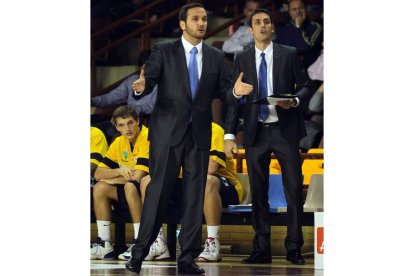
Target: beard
(196,34)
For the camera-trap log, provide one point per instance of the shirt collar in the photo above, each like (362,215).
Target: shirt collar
(188,46)
(268,51)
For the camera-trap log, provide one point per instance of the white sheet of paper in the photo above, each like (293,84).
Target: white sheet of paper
(273,101)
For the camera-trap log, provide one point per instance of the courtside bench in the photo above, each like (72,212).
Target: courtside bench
(232,216)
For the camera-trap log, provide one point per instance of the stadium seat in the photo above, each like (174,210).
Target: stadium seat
(277,200)
(315,150)
(277,197)
(314,198)
(244,180)
(312,166)
(274,167)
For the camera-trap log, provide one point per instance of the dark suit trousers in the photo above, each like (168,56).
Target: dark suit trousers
(268,140)
(165,165)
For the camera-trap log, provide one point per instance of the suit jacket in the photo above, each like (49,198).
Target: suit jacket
(289,76)
(174,106)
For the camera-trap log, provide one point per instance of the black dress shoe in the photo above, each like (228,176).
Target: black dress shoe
(295,257)
(133,265)
(191,268)
(257,258)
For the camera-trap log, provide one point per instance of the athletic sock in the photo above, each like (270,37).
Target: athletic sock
(213,231)
(104,229)
(136,229)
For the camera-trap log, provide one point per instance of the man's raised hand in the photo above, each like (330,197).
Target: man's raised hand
(241,88)
(139,85)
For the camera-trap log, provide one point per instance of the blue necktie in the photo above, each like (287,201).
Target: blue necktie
(263,109)
(193,71)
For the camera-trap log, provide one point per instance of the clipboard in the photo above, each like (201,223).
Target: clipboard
(273,99)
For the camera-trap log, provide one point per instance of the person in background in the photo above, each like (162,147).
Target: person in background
(124,94)
(99,146)
(302,33)
(315,72)
(242,38)
(118,175)
(314,108)
(222,189)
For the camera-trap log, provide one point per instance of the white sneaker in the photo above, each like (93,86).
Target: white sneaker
(211,251)
(102,250)
(158,251)
(127,254)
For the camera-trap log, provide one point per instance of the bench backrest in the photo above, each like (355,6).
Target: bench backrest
(314,197)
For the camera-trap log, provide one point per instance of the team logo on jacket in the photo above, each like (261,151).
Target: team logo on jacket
(125,155)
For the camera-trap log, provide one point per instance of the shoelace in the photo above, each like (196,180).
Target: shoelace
(210,245)
(207,247)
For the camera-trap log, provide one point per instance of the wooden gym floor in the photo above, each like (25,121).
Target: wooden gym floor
(229,266)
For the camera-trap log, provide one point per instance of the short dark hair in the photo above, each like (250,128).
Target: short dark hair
(290,1)
(256,11)
(124,111)
(184,10)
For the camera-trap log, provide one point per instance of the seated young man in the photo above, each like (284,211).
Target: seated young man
(118,176)
(99,146)
(159,248)
(222,189)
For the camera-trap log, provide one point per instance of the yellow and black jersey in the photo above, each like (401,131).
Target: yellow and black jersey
(122,154)
(226,168)
(99,146)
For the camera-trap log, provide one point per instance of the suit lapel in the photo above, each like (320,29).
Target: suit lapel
(276,66)
(179,52)
(251,63)
(205,64)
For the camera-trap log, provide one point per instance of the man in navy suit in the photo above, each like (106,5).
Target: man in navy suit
(189,74)
(271,69)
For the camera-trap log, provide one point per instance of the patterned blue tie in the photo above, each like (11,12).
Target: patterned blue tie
(263,109)
(193,71)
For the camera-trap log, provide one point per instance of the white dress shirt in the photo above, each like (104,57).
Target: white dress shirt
(187,49)
(269,62)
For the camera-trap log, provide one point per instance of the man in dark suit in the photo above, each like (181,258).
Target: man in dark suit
(270,69)
(189,74)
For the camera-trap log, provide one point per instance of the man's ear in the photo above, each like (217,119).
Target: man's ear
(182,25)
